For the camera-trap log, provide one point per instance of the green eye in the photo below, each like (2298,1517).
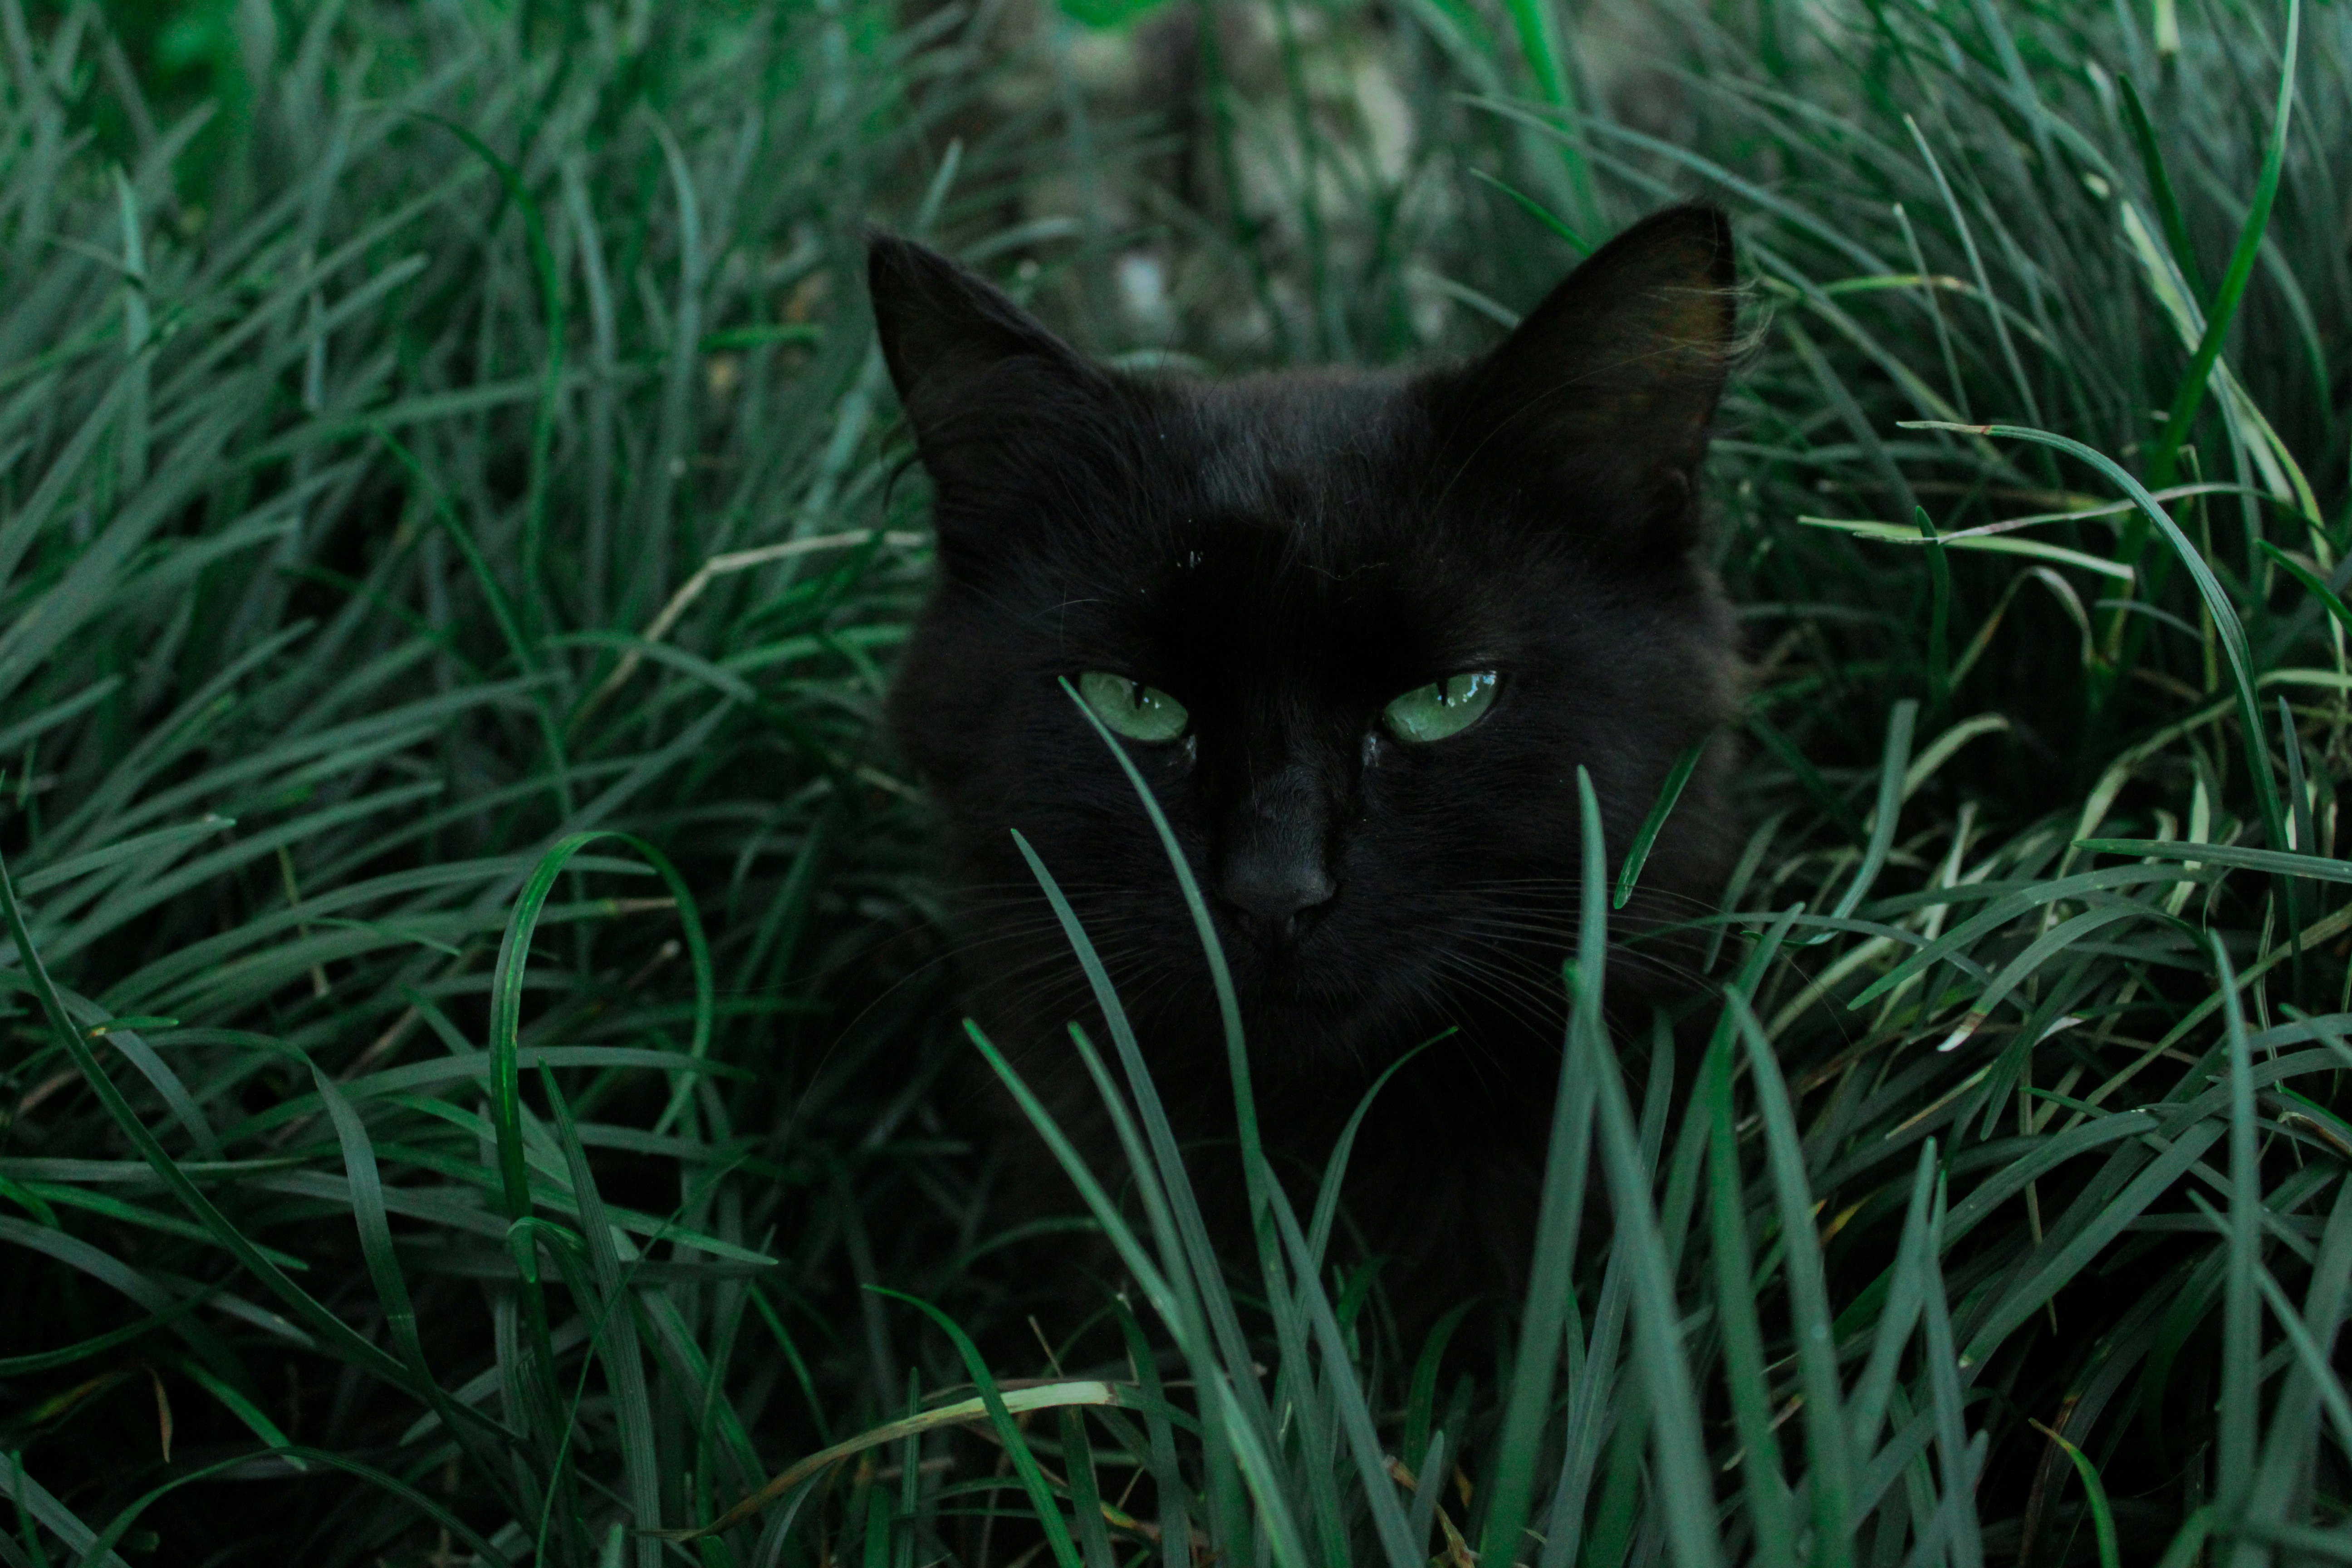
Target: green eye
(1131,709)
(1443,708)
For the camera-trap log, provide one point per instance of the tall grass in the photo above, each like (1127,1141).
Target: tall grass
(478,1073)
(492,487)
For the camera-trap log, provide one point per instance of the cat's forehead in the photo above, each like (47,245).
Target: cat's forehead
(1291,519)
(1298,448)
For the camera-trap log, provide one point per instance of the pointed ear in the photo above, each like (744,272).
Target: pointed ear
(971,367)
(1607,389)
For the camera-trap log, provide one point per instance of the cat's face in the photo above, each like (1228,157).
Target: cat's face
(1356,630)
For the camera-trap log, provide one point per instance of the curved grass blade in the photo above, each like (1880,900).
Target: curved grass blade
(1511,1489)
(2312,581)
(1684,1479)
(1893,764)
(1050,1518)
(2226,624)
(1536,210)
(1179,1308)
(1356,1419)
(2278,862)
(2159,184)
(2188,1546)
(2241,1310)
(464,1423)
(2190,396)
(506,993)
(1671,791)
(1187,1257)
(2103,1516)
(2312,1360)
(36,1502)
(1189,1290)
(1992,544)
(307,1310)
(102,1546)
(97,1344)
(1831,1476)
(963,1413)
(1239,1386)
(553,1429)
(1899,1311)
(1229,1014)
(1335,1169)
(1268,1485)
(615,1337)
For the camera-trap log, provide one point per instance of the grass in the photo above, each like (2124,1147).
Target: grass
(479,1074)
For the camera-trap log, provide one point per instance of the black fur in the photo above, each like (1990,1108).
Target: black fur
(1285,554)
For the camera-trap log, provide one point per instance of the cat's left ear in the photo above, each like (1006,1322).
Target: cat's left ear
(1608,388)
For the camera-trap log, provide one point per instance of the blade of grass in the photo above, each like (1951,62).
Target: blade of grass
(1939,614)
(1637,855)
(2316,587)
(307,1310)
(1356,1419)
(1831,1476)
(1240,1384)
(2103,1515)
(1088,1392)
(1191,1295)
(2159,186)
(2226,623)
(36,1502)
(2278,862)
(1957,1454)
(1536,210)
(1511,1489)
(1050,1518)
(615,1337)
(1335,1169)
(468,1426)
(99,1548)
(2163,459)
(1894,762)
(1683,1478)
(1898,1313)
(2242,1311)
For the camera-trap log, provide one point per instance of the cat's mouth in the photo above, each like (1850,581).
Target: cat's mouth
(1288,967)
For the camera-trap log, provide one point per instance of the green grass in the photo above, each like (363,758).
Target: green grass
(489,1083)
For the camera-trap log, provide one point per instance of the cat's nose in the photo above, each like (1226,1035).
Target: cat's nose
(1275,889)
(1274,865)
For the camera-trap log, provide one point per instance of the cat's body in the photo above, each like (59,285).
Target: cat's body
(1276,566)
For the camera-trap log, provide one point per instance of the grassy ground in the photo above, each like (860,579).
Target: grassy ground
(489,1037)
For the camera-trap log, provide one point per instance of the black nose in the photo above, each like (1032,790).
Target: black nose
(1275,889)
(1275,850)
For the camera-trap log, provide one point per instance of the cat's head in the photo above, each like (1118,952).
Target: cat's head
(1358,630)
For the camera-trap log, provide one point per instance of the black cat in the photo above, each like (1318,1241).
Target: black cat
(1358,629)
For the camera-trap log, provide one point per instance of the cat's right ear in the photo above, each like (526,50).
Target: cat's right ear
(979,375)
(1607,390)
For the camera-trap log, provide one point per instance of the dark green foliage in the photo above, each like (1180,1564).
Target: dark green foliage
(449,560)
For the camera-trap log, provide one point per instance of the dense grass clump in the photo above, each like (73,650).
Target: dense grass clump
(479,1076)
